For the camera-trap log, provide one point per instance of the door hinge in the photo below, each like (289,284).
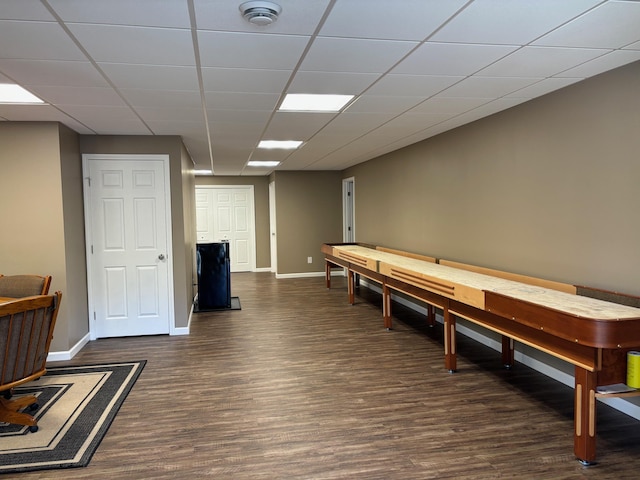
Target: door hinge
(94,315)
(91,249)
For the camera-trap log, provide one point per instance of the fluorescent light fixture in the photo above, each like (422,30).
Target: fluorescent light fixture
(283,144)
(12,93)
(303,102)
(203,172)
(263,163)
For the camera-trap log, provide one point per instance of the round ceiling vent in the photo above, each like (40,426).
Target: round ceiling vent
(260,13)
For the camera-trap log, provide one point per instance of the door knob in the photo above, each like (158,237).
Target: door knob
(161,256)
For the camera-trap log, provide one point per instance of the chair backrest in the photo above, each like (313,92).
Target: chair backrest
(26,330)
(18,286)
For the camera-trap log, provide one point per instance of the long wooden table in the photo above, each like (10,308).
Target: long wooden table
(6,299)
(592,334)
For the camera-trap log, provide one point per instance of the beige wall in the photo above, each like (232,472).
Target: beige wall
(180,180)
(39,161)
(74,238)
(549,188)
(261,200)
(308,213)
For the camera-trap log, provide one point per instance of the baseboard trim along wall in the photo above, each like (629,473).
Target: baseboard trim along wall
(69,354)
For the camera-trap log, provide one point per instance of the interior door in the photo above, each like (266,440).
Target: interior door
(226,214)
(127,227)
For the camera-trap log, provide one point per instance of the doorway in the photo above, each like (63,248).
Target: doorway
(348,210)
(128,244)
(226,213)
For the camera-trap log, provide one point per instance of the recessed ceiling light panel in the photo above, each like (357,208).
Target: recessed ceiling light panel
(12,93)
(305,102)
(281,144)
(263,163)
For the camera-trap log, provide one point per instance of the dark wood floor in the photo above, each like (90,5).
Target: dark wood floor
(301,385)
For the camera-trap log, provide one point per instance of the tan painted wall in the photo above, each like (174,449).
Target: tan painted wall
(74,238)
(550,188)
(261,200)
(32,238)
(308,213)
(181,182)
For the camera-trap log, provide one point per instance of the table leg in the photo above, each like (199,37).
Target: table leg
(584,444)
(386,306)
(449,340)
(431,315)
(508,353)
(352,299)
(327,274)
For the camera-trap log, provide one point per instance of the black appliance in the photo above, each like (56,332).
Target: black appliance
(214,276)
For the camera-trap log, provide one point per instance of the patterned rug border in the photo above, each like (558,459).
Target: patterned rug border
(99,412)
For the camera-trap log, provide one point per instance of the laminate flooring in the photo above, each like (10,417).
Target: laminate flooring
(301,385)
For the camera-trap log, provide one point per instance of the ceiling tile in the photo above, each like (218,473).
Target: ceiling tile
(250,50)
(487,87)
(59,73)
(543,87)
(540,61)
(451,59)
(241,100)
(406,20)
(339,83)
(110,119)
(296,126)
(586,31)
(25,10)
(124,12)
(412,85)
(508,22)
(354,55)
(64,95)
(36,41)
(383,104)
(178,114)
(139,97)
(153,77)
(450,105)
(244,80)
(138,45)
(606,62)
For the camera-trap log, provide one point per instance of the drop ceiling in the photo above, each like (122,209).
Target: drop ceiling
(197,69)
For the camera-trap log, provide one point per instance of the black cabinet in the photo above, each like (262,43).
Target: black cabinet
(214,276)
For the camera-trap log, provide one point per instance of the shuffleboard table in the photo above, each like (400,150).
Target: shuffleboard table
(591,333)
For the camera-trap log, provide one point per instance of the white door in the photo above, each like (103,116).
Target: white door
(226,214)
(127,226)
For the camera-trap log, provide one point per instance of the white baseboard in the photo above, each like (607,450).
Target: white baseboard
(262,269)
(334,273)
(174,331)
(69,354)
(300,275)
(565,378)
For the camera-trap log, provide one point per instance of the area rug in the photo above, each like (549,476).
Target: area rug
(77,406)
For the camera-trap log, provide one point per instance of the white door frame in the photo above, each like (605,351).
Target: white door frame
(86,158)
(348,209)
(252,214)
(273,238)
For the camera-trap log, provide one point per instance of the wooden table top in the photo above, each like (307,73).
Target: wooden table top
(5,299)
(564,302)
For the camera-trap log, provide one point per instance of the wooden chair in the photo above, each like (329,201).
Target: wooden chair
(26,330)
(18,286)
